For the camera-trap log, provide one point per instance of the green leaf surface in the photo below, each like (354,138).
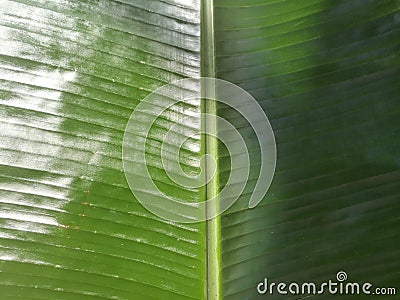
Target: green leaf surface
(327,74)
(71,74)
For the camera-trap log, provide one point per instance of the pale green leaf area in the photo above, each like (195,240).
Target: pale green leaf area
(71,74)
(327,74)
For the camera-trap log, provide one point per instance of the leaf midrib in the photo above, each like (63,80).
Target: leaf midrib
(213,281)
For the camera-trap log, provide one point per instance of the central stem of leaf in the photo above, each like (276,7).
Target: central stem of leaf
(210,147)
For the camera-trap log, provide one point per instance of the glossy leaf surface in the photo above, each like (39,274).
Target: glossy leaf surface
(71,74)
(326,73)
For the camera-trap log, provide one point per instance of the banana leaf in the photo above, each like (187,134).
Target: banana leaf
(327,75)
